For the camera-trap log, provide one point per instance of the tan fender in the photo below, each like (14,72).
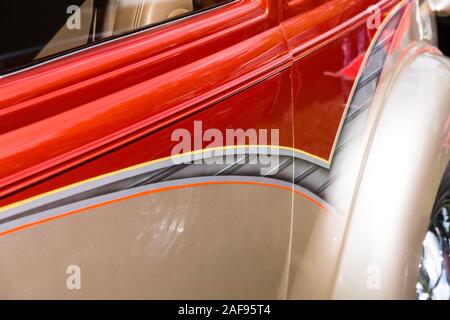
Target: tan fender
(403,166)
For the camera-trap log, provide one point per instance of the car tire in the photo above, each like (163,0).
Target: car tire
(434,274)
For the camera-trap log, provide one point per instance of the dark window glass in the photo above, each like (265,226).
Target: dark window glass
(32,31)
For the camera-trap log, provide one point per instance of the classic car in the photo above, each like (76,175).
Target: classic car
(225,149)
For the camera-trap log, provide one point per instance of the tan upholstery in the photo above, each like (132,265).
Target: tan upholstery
(66,38)
(127,15)
(177,12)
(120,16)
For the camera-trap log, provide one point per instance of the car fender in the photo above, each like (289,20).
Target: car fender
(403,165)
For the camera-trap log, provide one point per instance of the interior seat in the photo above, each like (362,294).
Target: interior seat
(65,38)
(104,18)
(127,15)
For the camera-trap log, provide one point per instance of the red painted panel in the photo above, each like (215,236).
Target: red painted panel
(66,112)
(110,106)
(322,89)
(266,105)
(68,83)
(327,39)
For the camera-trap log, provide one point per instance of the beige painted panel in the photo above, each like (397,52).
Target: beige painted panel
(216,241)
(407,158)
(316,240)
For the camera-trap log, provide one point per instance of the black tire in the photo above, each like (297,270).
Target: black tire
(444,190)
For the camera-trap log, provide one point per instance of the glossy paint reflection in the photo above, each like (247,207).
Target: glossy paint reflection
(166,245)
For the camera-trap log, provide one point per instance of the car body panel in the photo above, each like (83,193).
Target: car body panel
(169,241)
(72,97)
(319,67)
(78,110)
(90,178)
(389,226)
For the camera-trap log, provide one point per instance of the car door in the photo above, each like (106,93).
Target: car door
(92,197)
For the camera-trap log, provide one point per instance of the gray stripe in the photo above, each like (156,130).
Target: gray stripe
(124,193)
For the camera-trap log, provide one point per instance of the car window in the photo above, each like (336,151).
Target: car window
(33,31)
